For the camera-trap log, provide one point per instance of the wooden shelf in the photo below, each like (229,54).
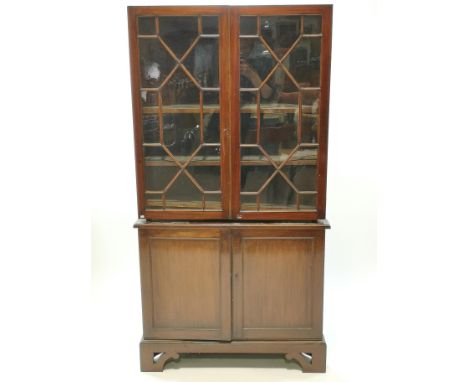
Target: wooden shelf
(247,108)
(308,159)
(181,109)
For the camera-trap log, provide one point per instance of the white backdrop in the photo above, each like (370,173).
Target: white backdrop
(395,289)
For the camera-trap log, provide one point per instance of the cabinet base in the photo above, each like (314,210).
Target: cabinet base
(310,355)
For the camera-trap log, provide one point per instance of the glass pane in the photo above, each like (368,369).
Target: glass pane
(210,98)
(248,117)
(202,62)
(208,177)
(153,201)
(157,154)
(304,62)
(181,133)
(146,25)
(211,127)
(310,120)
(256,63)
(308,202)
(207,156)
(155,63)
(278,195)
(157,177)
(248,25)
(210,24)
(280,32)
(181,92)
(149,98)
(280,93)
(150,128)
(312,24)
(248,202)
(178,32)
(278,134)
(302,176)
(183,194)
(254,177)
(213,202)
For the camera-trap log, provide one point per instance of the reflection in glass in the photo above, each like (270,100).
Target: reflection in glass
(248,202)
(278,195)
(153,201)
(248,117)
(278,133)
(304,62)
(210,24)
(208,177)
(207,155)
(211,127)
(312,24)
(156,153)
(155,63)
(308,201)
(280,32)
(253,177)
(178,32)
(213,202)
(310,120)
(302,176)
(211,98)
(181,134)
(202,62)
(255,63)
(146,25)
(251,155)
(157,178)
(284,93)
(150,128)
(248,25)
(149,98)
(180,90)
(183,194)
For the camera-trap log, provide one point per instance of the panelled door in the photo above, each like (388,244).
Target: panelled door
(277,284)
(186,283)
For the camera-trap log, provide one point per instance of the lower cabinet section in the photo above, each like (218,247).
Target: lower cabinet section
(232,288)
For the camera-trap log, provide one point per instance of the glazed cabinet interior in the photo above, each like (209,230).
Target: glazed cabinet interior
(230,114)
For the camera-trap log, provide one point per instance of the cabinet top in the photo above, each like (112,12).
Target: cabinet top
(142,223)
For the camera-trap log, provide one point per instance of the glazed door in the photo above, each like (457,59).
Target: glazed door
(277,284)
(180,101)
(186,284)
(280,61)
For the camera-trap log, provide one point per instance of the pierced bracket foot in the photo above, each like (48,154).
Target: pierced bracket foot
(156,361)
(160,359)
(309,362)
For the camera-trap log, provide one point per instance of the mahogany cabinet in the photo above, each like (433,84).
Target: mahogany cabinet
(231,133)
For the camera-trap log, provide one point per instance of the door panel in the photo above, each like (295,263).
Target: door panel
(280,69)
(277,284)
(186,284)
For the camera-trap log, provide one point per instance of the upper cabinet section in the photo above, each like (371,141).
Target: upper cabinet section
(231,111)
